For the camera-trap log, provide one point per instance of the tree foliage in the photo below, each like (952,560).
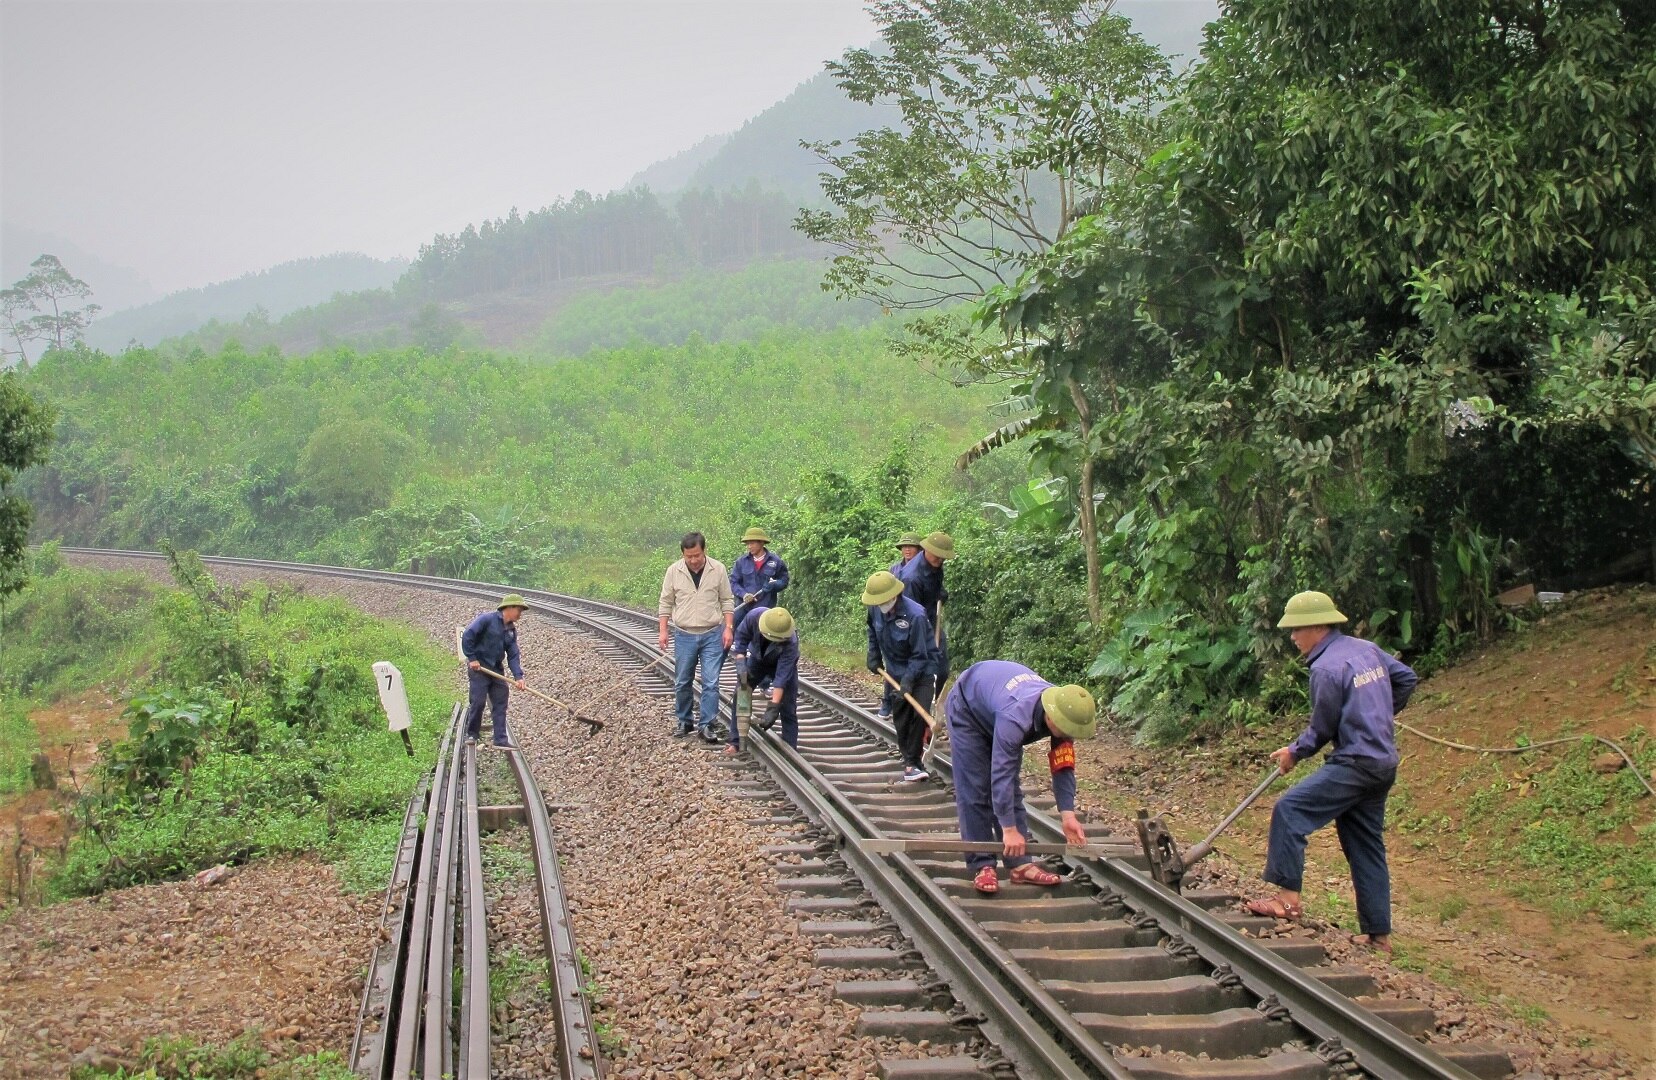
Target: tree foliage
(25,437)
(1372,248)
(44,306)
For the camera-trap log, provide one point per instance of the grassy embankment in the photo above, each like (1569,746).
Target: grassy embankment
(251,726)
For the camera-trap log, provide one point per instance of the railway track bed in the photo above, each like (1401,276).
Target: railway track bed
(1107,975)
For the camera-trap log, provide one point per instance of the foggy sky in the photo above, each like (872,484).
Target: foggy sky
(196,141)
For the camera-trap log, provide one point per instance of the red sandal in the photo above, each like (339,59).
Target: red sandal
(1030,874)
(986,882)
(1274,908)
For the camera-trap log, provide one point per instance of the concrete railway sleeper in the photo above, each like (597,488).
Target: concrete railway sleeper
(1109,974)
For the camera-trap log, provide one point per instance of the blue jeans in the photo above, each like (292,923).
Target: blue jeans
(1351,794)
(483,687)
(688,649)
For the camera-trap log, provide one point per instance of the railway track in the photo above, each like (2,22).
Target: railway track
(1108,975)
(434,930)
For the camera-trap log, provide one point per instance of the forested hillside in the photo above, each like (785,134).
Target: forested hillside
(268,293)
(470,462)
(497,283)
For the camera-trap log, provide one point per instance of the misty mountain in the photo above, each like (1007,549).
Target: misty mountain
(113,286)
(277,291)
(673,174)
(766,149)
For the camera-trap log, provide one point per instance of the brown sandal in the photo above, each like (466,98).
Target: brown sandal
(1274,908)
(1030,874)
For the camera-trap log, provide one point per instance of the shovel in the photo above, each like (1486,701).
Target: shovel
(1167,864)
(594,725)
(931,746)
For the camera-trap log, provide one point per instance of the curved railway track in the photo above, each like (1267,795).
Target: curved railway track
(1108,975)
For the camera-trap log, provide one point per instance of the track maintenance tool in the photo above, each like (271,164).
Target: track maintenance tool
(931,725)
(1167,864)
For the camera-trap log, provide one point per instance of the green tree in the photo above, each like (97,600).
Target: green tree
(1375,241)
(352,465)
(25,437)
(1017,116)
(52,290)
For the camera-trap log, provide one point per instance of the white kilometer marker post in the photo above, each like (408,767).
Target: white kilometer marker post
(394,699)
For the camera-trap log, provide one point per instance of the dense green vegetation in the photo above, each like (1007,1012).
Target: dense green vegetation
(740,305)
(1302,318)
(253,724)
(463,462)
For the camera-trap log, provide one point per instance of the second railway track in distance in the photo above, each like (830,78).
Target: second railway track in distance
(1108,975)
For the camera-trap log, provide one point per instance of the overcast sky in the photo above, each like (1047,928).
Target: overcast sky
(197,141)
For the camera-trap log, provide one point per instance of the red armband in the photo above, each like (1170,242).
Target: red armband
(1062,755)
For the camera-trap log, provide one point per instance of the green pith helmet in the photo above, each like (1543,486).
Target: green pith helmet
(511,600)
(1309,609)
(909,540)
(755,533)
(776,624)
(940,544)
(882,587)
(1071,710)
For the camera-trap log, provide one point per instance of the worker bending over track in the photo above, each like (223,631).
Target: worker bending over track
(766,652)
(491,638)
(1357,688)
(994,711)
(900,640)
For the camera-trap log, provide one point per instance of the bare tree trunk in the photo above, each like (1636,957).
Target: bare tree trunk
(1089,524)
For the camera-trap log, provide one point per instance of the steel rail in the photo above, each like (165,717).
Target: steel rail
(436,1005)
(419,939)
(579,1056)
(1379,1049)
(473,1057)
(376,1016)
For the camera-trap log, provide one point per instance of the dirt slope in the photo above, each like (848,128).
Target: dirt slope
(1556,939)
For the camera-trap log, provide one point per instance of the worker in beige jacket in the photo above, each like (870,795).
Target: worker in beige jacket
(696,602)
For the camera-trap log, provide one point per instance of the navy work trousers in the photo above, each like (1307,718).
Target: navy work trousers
(483,686)
(1352,794)
(970,752)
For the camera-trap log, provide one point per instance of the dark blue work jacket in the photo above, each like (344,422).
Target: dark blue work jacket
(998,702)
(488,638)
(901,640)
(923,583)
(773,663)
(1356,690)
(767,583)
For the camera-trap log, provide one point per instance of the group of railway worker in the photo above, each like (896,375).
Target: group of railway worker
(998,707)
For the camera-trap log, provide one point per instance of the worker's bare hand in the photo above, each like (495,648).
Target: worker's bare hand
(1012,842)
(476,665)
(1073,832)
(519,684)
(1284,759)
(662,641)
(728,637)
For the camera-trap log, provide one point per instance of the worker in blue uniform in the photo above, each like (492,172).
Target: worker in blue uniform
(490,639)
(994,711)
(908,546)
(1357,688)
(922,578)
(766,652)
(757,578)
(900,641)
